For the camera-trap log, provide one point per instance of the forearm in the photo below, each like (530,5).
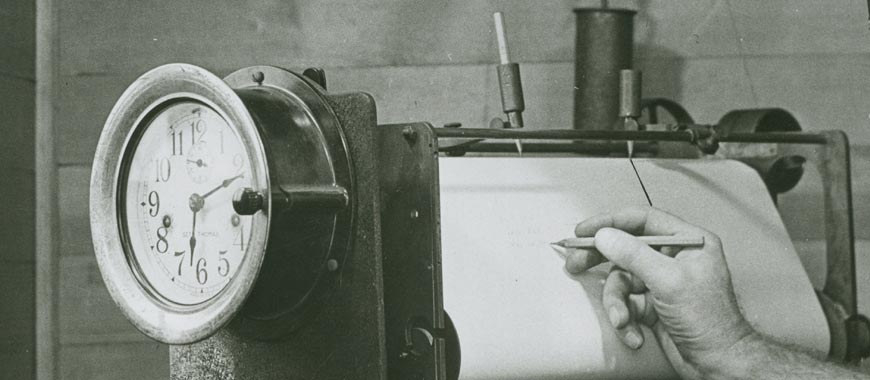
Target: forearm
(759,358)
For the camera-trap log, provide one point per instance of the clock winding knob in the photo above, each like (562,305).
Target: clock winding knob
(248,201)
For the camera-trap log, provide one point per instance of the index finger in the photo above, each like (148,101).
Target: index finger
(638,221)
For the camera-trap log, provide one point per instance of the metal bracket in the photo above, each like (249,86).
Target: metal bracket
(833,163)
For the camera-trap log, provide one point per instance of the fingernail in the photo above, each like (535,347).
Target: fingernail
(632,339)
(614,316)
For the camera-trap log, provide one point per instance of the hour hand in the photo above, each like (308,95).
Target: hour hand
(199,162)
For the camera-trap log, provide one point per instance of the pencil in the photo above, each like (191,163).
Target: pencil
(653,241)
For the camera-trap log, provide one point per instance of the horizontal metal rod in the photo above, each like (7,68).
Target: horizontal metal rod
(689,135)
(553,147)
(775,137)
(563,134)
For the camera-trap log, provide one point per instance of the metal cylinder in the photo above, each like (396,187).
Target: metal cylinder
(604,46)
(511,87)
(629,93)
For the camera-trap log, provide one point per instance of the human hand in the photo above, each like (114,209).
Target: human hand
(684,294)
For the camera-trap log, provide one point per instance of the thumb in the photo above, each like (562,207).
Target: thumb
(629,253)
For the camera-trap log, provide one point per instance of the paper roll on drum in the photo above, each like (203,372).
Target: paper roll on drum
(519,315)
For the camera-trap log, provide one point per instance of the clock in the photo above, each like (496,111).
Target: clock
(192,178)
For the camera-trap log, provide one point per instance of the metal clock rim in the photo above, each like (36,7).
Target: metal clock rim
(169,324)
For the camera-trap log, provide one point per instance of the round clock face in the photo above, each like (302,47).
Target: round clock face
(184,239)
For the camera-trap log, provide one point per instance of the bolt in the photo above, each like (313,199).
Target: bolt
(415,214)
(235,220)
(259,77)
(332,265)
(409,134)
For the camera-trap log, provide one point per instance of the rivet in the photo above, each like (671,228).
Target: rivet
(167,221)
(259,77)
(332,265)
(415,214)
(409,134)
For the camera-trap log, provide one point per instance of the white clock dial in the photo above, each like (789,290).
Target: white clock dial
(186,240)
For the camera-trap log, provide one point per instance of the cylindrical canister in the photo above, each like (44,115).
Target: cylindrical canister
(604,46)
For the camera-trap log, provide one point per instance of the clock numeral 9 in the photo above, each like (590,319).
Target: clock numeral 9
(162,169)
(161,239)
(201,273)
(154,202)
(223,272)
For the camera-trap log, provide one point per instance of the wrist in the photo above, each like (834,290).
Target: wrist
(737,361)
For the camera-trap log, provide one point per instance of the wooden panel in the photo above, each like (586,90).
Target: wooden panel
(327,33)
(687,29)
(86,312)
(17,39)
(16,121)
(17,365)
(75,228)
(801,26)
(439,94)
(823,92)
(17,229)
(17,319)
(80,118)
(111,361)
(375,33)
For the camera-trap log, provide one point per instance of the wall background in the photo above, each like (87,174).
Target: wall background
(433,61)
(17,186)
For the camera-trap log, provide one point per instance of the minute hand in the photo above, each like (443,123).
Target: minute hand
(223,184)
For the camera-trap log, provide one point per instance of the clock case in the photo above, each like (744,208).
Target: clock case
(323,296)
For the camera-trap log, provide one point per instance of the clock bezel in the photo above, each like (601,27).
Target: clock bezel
(153,314)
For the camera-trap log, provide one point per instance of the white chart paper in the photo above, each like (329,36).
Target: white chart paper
(520,316)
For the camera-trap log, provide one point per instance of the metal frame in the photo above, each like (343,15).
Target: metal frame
(406,188)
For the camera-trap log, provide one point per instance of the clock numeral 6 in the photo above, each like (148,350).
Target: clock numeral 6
(223,272)
(162,169)
(201,273)
(162,245)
